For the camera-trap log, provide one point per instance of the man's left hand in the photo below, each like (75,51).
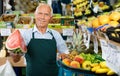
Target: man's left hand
(62,56)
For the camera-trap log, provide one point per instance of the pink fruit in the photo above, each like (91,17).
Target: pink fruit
(75,64)
(78,58)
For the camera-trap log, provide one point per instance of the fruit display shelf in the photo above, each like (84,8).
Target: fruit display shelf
(8,17)
(110,39)
(70,71)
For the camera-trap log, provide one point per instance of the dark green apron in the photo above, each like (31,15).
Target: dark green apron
(41,57)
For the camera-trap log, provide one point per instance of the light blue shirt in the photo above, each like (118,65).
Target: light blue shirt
(61,45)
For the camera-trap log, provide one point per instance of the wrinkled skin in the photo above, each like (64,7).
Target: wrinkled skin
(43,17)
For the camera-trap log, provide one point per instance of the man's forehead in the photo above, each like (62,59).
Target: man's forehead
(44,8)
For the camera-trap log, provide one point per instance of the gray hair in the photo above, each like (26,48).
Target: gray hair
(40,4)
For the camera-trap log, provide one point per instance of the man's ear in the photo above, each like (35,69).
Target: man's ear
(51,18)
(34,13)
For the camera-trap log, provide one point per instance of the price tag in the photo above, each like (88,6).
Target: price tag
(86,39)
(26,26)
(84,28)
(113,67)
(69,39)
(95,44)
(112,54)
(5,32)
(104,47)
(68,32)
(113,58)
(118,55)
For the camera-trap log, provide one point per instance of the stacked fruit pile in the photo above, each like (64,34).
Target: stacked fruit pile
(102,5)
(24,20)
(91,62)
(8,17)
(82,7)
(111,19)
(28,6)
(109,24)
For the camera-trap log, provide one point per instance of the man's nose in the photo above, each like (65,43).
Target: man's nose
(43,16)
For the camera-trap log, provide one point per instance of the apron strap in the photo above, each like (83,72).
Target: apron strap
(51,34)
(33,35)
(48,31)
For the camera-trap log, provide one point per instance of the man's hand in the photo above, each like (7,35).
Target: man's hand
(16,57)
(62,56)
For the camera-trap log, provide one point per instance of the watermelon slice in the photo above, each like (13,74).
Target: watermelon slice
(15,41)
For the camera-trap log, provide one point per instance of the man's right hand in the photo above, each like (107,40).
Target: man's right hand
(16,57)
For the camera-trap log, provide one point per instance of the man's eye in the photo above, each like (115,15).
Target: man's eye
(47,14)
(40,13)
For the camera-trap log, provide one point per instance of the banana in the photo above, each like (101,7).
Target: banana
(95,68)
(113,35)
(117,29)
(110,72)
(103,64)
(102,70)
(94,65)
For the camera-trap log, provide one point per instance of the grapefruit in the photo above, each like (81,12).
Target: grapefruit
(115,16)
(114,23)
(95,23)
(104,19)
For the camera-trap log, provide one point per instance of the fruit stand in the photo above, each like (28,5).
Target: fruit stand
(94,41)
(105,31)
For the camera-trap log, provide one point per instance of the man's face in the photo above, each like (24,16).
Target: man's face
(43,16)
